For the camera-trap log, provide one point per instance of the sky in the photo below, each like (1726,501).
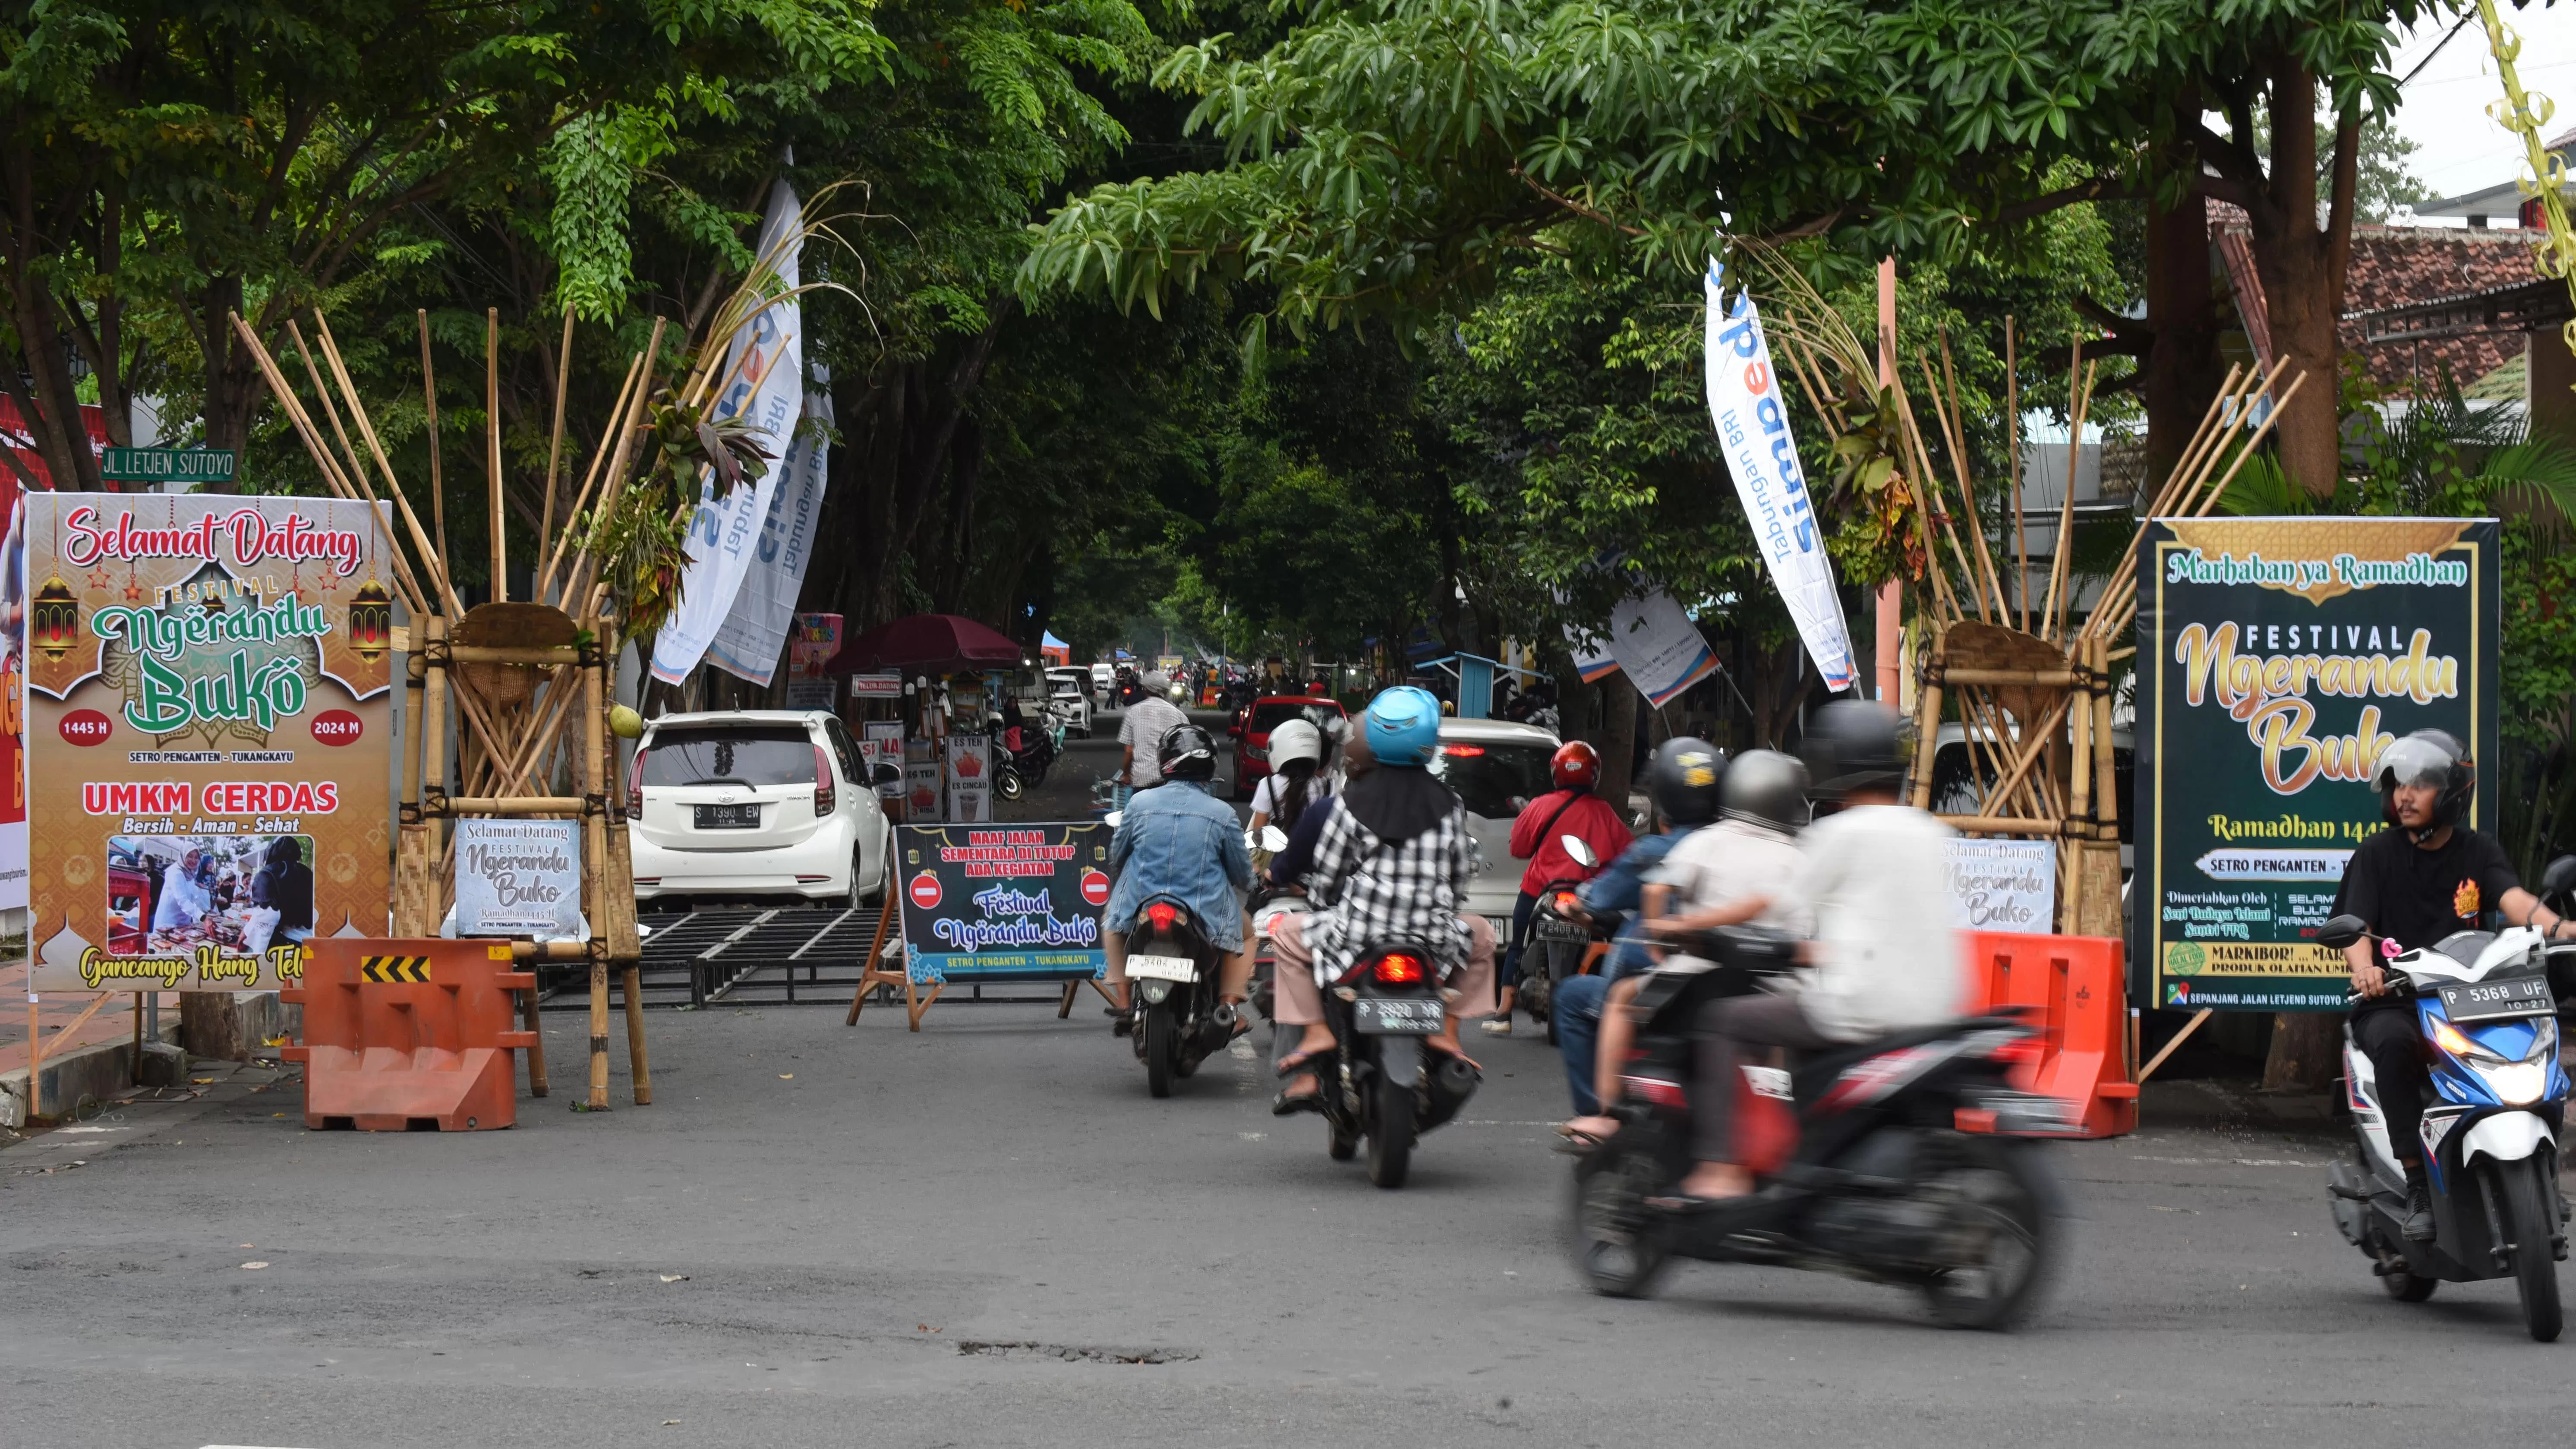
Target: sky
(2444,112)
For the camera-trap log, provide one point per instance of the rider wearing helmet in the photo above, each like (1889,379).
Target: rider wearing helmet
(1392,861)
(1296,754)
(2424,877)
(1684,781)
(1179,842)
(1569,809)
(1884,958)
(1147,720)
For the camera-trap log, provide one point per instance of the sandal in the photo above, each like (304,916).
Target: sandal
(1284,1105)
(1495,1026)
(1303,1061)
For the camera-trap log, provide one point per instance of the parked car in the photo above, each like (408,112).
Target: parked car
(1075,675)
(1103,676)
(1497,767)
(756,803)
(1251,730)
(1071,701)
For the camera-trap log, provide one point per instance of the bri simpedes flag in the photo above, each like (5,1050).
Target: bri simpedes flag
(1745,401)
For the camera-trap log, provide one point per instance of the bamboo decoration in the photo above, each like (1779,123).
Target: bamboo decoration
(2026,673)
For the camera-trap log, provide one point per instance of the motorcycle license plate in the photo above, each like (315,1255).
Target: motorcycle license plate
(1552,929)
(1400,1017)
(2490,1000)
(728,817)
(1162,968)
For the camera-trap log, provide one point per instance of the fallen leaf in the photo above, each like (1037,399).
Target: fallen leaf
(254,1266)
(675,1278)
(667,1423)
(250,1245)
(202,1081)
(787,1076)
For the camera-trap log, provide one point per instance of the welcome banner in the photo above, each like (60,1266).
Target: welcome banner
(2277,659)
(1746,404)
(208,733)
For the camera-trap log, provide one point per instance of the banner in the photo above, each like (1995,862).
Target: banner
(1745,401)
(877,684)
(881,743)
(748,644)
(2277,657)
(209,684)
(519,878)
(1020,903)
(13,700)
(2003,885)
(970,778)
(766,364)
(1653,642)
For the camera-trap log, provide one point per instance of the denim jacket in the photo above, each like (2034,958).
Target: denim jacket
(1175,841)
(1623,888)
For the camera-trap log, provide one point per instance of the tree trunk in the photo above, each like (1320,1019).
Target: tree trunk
(209,1027)
(1618,745)
(2301,263)
(2182,368)
(2305,1048)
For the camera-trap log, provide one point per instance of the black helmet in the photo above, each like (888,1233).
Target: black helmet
(2427,757)
(1852,745)
(1766,787)
(1187,753)
(1685,778)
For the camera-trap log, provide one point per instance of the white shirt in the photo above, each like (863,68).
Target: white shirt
(1267,794)
(1147,721)
(1887,952)
(183,901)
(1718,865)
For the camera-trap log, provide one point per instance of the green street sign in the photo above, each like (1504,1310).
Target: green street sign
(169,465)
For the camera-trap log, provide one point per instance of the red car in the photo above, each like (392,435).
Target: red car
(1251,730)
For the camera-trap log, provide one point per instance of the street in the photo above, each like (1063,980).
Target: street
(987,1233)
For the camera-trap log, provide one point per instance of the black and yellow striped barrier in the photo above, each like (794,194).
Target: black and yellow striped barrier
(395,970)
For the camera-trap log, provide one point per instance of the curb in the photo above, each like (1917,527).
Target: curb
(99,1071)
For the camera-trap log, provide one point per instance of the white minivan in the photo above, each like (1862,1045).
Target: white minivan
(755,803)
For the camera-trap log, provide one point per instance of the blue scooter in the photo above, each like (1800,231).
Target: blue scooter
(2489,1018)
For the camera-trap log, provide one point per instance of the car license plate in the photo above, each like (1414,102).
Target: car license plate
(728,817)
(1552,929)
(1162,968)
(1399,1017)
(2490,1000)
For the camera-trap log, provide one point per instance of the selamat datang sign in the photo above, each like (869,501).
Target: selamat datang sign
(208,696)
(2277,659)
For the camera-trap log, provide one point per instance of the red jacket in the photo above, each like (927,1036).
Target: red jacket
(1589,819)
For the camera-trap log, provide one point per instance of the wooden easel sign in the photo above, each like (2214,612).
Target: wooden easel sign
(994,903)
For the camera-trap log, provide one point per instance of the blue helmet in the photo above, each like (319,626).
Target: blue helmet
(1404,727)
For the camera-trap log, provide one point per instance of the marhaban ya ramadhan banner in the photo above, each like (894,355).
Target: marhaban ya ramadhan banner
(208,719)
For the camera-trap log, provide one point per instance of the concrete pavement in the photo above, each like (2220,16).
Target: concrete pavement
(988,1233)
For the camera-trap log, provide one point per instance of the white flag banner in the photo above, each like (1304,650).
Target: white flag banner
(1745,401)
(747,645)
(766,365)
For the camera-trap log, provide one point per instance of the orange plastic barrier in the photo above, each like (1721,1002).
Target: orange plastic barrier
(405,1034)
(2079,986)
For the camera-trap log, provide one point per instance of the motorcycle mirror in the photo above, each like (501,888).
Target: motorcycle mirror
(1582,853)
(2341,931)
(2560,875)
(1273,839)
(1113,818)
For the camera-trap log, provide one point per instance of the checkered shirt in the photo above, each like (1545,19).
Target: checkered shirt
(1368,891)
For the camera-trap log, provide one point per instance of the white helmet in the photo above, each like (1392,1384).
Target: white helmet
(1295,740)
(1156,681)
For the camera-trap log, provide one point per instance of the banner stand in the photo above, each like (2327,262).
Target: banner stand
(991,904)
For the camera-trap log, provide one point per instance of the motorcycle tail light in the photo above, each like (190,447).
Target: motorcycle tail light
(635,785)
(1655,1091)
(827,797)
(1162,914)
(1398,968)
(1566,903)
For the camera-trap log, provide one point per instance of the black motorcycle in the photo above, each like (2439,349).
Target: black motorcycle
(1564,939)
(1016,772)
(1174,1016)
(1378,1081)
(1909,1160)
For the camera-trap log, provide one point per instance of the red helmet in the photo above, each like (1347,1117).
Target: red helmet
(1575,766)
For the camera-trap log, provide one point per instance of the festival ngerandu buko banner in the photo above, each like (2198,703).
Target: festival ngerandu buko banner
(2277,658)
(208,727)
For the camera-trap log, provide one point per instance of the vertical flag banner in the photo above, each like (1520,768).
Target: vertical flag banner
(767,368)
(1752,417)
(209,736)
(748,644)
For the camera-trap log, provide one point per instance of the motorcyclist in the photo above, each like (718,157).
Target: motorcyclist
(1177,841)
(1282,797)
(1391,861)
(1571,808)
(2424,877)
(1885,956)
(1684,782)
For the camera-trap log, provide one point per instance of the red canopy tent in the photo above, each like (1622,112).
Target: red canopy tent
(927,644)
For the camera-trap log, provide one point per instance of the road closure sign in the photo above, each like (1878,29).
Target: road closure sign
(208,725)
(2277,659)
(1003,902)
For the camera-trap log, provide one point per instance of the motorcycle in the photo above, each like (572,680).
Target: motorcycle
(1565,939)
(2490,1025)
(1026,767)
(1379,1082)
(1910,1160)
(1176,1021)
(1268,904)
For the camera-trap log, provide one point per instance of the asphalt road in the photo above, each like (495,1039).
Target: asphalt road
(988,1234)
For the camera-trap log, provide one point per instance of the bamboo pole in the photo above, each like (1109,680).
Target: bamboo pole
(492,451)
(2061,568)
(341,480)
(433,736)
(2012,466)
(550,550)
(429,402)
(1957,421)
(331,353)
(554,449)
(612,484)
(594,858)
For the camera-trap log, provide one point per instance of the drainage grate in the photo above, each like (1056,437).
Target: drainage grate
(1075,1353)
